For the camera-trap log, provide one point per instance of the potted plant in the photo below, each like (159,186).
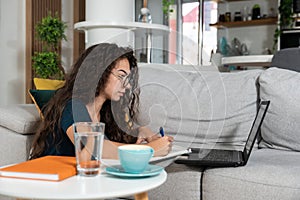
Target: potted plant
(256,12)
(285,19)
(166,9)
(47,63)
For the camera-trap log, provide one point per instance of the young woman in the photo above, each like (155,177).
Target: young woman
(102,87)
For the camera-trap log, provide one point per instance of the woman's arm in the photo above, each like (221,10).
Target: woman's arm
(162,145)
(110,148)
(145,134)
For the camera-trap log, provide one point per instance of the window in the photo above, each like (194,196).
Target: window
(198,39)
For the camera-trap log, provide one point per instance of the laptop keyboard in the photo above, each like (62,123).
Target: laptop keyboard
(217,155)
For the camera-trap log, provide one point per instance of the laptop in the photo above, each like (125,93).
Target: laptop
(227,158)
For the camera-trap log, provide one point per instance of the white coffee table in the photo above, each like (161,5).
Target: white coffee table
(77,187)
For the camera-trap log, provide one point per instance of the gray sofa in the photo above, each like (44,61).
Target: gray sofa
(202,107)
(212,109)
(18,124)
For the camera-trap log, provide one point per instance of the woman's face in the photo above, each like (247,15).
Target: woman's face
(117,82)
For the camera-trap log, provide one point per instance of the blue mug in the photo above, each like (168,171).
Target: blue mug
(135,158)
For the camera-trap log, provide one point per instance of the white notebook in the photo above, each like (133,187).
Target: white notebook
(176,151)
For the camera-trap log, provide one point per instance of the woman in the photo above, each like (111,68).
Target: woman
(102,86)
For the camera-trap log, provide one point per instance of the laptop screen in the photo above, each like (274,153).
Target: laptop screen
(255,128)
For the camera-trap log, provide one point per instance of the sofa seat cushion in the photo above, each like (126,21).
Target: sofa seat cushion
(21,118)
(269,174)
(281,127)
(199,108)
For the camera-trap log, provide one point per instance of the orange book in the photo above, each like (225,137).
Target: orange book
(52,168)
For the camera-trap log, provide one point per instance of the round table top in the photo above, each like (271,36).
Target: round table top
(137,27)
(79,187)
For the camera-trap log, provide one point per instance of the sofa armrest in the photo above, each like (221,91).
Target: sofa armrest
(20,118)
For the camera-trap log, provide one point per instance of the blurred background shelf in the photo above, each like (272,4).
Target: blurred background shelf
(249,60)
(257,22)
(224,1)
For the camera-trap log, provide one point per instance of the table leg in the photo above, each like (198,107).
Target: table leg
(149,47)
(141,196)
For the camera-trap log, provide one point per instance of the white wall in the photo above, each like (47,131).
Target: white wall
(12,48)
(12,52)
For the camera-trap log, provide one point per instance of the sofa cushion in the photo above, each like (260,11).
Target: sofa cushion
(199,107)
(281,127)
(21,118)
(269,174)
(47,84)
(40,98)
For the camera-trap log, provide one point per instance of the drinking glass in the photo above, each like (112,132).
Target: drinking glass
(88,138)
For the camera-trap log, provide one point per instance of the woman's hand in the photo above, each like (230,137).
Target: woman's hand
(146,135)
(162,146)
(143,139)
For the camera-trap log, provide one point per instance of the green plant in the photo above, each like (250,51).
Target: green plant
(166,6)
(285,19)
(256,6)
(50,31)
(46,65)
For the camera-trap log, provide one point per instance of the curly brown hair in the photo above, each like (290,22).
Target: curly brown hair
(85,82)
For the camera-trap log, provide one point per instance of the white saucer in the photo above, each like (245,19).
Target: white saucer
(117,170)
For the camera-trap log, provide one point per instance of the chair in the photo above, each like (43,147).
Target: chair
(288,58)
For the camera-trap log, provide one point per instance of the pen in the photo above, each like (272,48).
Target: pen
(161,131)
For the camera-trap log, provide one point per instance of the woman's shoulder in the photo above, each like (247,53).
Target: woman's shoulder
(76,109)
(75,104)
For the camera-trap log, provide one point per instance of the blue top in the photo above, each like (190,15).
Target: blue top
(79,113)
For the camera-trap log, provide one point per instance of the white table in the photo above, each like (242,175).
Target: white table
(139,28)
(77,187)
